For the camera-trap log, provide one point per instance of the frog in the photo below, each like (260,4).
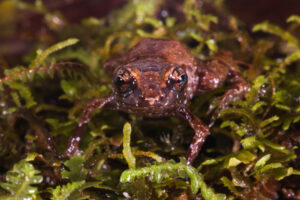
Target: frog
(158,78)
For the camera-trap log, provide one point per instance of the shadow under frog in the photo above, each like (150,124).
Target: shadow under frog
(157,78)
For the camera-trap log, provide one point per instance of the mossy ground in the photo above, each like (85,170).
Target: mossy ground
(253,150)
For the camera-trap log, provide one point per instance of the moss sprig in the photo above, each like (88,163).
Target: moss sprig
(158,172)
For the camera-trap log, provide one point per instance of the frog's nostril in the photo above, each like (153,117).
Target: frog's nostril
(141,97)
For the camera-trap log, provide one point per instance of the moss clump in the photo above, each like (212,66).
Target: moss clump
(253,145)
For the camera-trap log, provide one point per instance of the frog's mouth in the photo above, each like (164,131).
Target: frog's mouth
(152,100)
(150,111)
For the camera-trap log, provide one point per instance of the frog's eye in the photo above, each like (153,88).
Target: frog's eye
(177,79)
(124,81)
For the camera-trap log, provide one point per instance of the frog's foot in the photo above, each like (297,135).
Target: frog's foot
(233,94)
(73,143)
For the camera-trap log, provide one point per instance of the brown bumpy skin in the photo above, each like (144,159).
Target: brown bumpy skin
(158,78)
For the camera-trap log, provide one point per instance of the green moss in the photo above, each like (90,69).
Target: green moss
(253,142)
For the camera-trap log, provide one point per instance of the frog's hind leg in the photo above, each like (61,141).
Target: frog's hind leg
(214,72)
(239,86)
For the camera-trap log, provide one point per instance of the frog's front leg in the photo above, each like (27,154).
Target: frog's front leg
(214,72)
(92,105)
(201,132)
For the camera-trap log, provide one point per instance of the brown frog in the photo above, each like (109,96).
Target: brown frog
(157,78)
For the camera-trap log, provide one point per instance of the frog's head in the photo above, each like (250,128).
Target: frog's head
(150,82)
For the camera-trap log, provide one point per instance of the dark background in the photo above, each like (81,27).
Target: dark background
(250,11)
(31,26)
